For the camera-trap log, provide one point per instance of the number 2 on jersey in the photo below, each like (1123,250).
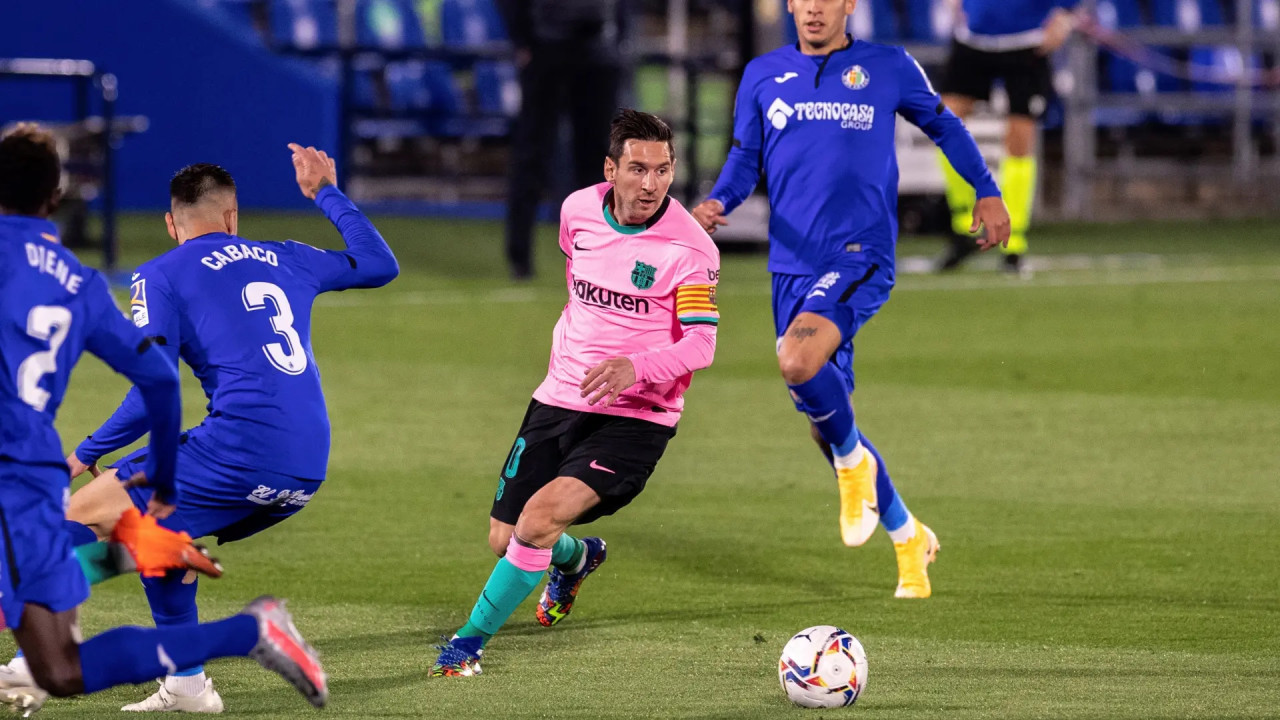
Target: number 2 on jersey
(44,322)
(292,360)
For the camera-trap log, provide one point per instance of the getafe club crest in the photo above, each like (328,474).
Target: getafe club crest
(642,275)
(855,78)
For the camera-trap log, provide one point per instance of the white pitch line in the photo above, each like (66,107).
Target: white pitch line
(960,283)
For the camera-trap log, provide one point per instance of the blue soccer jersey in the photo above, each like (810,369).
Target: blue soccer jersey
(52,308)
(821,130)
(1009,17)
(238,312)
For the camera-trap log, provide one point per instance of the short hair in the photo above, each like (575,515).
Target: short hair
(30,169)
(192,183)
(631,124)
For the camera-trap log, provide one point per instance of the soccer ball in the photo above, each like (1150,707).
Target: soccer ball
(823,667)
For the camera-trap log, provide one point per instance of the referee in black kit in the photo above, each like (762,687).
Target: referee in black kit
(569,56)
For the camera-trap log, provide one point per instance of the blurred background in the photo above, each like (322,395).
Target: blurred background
(1165,109)
(1095,445)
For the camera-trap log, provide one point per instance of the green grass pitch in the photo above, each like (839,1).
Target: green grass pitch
(1096,448)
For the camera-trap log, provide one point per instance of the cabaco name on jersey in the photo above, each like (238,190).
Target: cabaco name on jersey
(593,295)
(218,260)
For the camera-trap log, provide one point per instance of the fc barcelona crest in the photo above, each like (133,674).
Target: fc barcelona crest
(642,275)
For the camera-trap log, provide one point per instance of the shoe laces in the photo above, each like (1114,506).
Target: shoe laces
(459,651)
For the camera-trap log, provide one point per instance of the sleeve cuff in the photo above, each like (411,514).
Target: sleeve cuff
(85,455)
(641,365)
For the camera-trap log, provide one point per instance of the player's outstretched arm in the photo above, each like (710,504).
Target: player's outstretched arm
(154,314)
(122,347)
(923,108)
(368,261)
(741,171)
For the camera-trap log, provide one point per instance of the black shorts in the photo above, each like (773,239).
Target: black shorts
(613,455)
(1025,74)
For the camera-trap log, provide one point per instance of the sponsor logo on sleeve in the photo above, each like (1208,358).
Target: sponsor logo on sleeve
(138,302)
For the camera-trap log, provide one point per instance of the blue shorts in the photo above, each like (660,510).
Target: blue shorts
(38,564)
(217,499)
(847,295)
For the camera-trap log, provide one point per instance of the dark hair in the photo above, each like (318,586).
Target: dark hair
(631,124)
(190,184)
(30,169)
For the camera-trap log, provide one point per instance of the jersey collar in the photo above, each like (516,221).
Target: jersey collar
(33,225)
(633,229)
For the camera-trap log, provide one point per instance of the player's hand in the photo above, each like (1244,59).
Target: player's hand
(157,507)
(313,169)
(1057,29)
(991,213)
(710,214)
(608,380)
(78,468)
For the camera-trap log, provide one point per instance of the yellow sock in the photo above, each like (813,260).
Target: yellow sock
(1018,185)
(960,197)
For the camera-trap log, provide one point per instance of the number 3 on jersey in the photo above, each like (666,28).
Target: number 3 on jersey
(292,360)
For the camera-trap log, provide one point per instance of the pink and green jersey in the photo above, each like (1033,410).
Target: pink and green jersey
(645,292)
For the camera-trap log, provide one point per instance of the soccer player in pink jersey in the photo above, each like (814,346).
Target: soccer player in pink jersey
(641,318)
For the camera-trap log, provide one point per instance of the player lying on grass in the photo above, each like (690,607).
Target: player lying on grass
(238,312)
(641,318)
(52,309)
(817,119)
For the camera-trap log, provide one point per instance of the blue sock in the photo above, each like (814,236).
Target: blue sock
(893,512)
(131,655)
(80,534)
(173,604)
(825,399)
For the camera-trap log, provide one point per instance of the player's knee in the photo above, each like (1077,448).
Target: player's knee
(537,526)
(61,680)
(796,369)
(816,434)
(498,539)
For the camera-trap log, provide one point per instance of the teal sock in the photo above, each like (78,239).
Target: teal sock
(103,560)
(507,587)
(567,553)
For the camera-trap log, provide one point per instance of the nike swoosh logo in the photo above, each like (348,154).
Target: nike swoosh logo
(822,418)
(136,276)
(785,77)
(597,466)
(576,246)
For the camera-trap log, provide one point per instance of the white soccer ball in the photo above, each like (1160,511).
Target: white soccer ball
(823,667)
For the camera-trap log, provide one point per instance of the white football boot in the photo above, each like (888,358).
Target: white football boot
(165,700)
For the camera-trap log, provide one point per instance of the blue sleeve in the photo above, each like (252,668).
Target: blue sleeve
(923,108)
(151,304)
(367,262)
(741,171)
(124,348)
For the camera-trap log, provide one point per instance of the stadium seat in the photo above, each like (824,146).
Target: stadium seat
(1266,16)
(1187,15)
(388,25)
(886,26)
(470,23)
(497,89)
(304,24)
(238,11)
(929,20)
